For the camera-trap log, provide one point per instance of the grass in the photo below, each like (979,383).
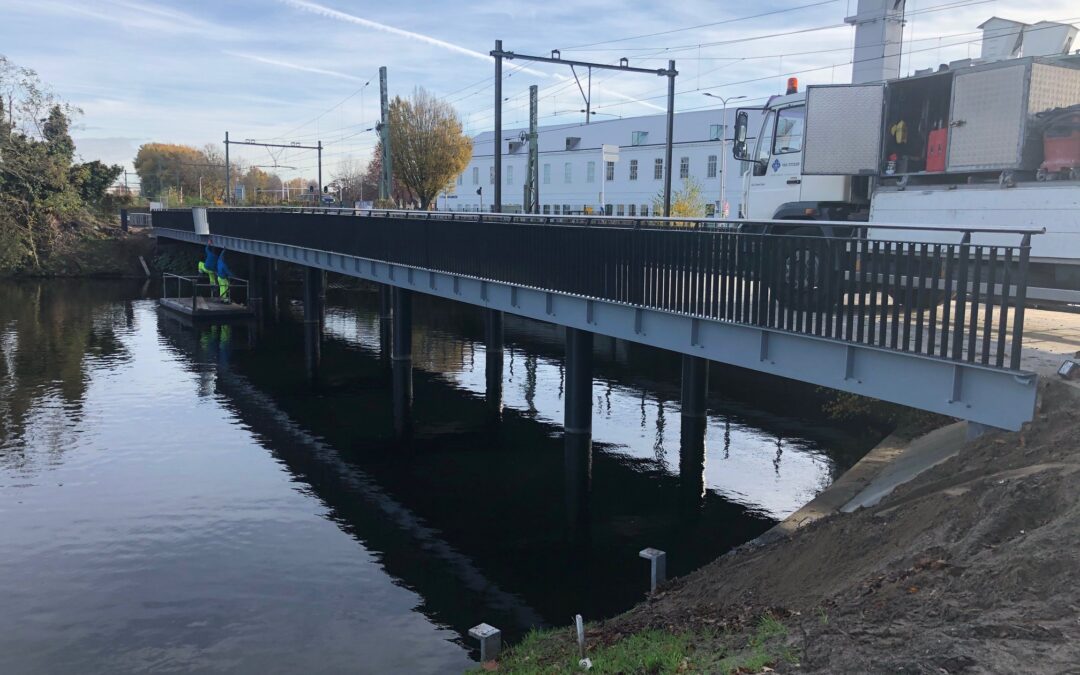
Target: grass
(653,651)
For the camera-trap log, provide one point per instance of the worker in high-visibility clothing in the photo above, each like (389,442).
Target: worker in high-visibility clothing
(208,266)
(223,274)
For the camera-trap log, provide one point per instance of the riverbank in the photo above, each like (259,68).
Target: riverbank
(101,253)
(970,566)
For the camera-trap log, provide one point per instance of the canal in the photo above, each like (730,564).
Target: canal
(187,499)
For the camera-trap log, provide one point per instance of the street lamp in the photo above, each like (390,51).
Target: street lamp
(723,149)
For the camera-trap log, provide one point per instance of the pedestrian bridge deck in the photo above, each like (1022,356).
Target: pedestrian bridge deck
(936,326)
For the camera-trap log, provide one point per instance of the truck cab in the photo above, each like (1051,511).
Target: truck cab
(775,187)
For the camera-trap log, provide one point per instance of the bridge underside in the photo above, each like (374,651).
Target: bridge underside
(989,396)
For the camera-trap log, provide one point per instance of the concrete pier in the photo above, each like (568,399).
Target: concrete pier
(313,318)
(493,366)
(577,426)
(401,357)
(386,313)
(695,387)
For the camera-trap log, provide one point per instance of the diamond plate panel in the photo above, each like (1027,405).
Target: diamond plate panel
(843,130)
(988,119)
(1053,87)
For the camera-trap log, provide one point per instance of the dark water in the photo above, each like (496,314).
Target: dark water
(174,499)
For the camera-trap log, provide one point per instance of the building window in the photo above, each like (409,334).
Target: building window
(609,171)
(658,169)
(476,175)
(631,210)
(710,171)
(461,179)
(491,175)
(590,173)
(510,174)
(547,174)
(644,209)
(620,210)
(633,169)
(684,167)
(566,209)
(716,132)
(710,210)
(547,208)
(608,209)
(568,173)
(789,130)
(639,138)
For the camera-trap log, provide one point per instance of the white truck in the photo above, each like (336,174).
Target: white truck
(993,145)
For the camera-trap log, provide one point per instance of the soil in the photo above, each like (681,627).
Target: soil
(973,566)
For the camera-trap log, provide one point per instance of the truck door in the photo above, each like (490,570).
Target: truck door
(777,176)
(843,129)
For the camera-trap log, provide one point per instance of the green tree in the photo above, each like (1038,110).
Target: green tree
(427,144)
(688,201)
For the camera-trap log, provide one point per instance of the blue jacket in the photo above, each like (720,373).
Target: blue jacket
(223,269)
(211,259)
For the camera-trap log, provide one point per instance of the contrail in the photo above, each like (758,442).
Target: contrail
(295,66)
(330,13)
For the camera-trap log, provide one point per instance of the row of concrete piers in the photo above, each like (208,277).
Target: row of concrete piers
(395,333)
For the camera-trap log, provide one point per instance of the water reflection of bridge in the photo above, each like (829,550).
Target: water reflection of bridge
(483,519)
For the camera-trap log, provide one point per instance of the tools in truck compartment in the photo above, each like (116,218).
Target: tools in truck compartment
(1061,144)
(937,141)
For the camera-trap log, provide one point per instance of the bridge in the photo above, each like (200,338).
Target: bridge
(931,325)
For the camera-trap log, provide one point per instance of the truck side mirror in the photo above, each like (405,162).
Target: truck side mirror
(738,150)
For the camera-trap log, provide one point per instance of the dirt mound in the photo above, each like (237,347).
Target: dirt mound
(974,566)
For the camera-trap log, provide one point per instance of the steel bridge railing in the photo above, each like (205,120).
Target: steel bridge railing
(962,300)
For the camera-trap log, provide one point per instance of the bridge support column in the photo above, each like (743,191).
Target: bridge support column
(386,312)
(577,426)
(269,282)
(255,286)
(313,318)
(695,385)
(493,366)
(402,362)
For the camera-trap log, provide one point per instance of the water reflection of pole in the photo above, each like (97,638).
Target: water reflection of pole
(493,362)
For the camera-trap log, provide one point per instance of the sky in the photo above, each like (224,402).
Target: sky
(285,71)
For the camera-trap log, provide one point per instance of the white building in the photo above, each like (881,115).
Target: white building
(573,174)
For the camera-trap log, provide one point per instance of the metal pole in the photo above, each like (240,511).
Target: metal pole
(228,172)
(670,132)
(588,100)
(320,171)
(723,157)
(497,140)
(534,154)
(385,187)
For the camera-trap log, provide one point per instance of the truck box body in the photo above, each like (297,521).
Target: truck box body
(1054,206)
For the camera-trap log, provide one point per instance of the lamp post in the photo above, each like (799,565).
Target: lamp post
(723,149)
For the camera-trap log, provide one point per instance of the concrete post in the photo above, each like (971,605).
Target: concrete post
(657,566)
(402,362)
(490,641)
(493,366)
(269,281)
(313,309)
(695,385)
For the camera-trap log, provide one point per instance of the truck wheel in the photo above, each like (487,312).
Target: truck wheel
(803,279)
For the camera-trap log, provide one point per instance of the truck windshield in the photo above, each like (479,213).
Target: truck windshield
(765,139)
(789,130)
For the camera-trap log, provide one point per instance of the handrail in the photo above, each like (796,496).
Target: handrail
(635,221)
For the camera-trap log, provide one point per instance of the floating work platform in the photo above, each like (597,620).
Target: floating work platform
(206,308)
(203,302)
